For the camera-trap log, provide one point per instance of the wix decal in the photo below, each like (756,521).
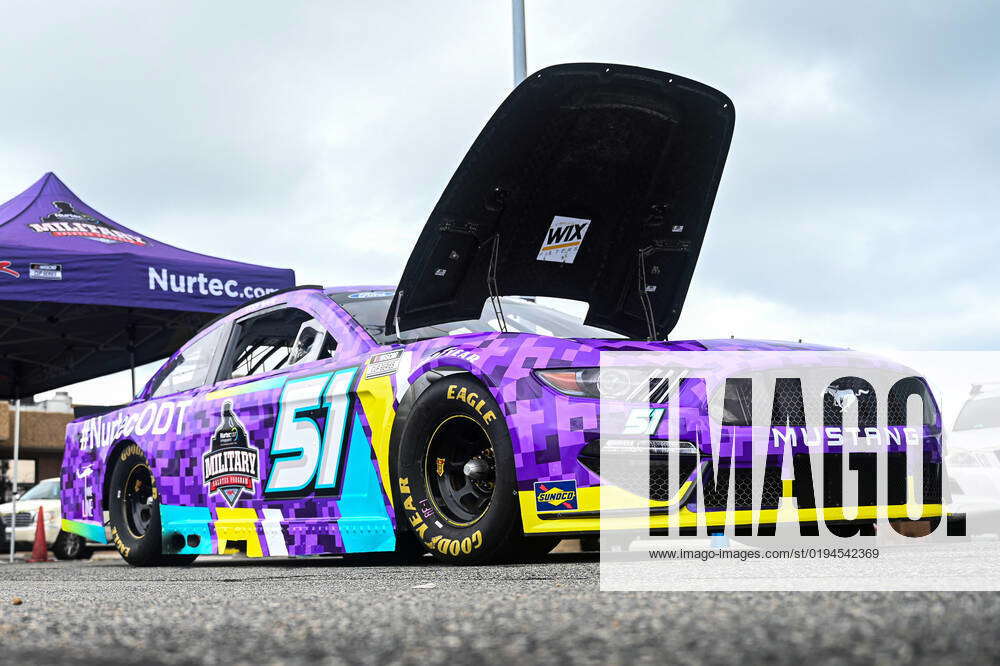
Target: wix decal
(563,239)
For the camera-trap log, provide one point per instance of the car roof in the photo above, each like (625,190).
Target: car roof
(222,315)
(359,288)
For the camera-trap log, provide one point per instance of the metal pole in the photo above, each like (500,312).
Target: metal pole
(17,452)
(131,366)
(131,355)
(520,59)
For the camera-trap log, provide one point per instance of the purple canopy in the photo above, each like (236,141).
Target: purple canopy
(82,296)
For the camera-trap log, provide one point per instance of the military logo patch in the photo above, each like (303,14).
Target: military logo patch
(231,465)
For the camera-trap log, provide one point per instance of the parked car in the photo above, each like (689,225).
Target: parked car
(45,495)
(974,458)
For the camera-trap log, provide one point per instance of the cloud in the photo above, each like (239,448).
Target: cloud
(857,204)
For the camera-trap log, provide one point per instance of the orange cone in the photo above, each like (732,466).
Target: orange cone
(40,553)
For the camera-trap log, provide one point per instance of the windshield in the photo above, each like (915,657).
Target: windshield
(983,413)
(46,490)
(521,316)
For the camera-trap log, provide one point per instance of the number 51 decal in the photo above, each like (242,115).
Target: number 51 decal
(308,444)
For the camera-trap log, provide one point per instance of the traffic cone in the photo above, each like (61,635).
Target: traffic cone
(40,553)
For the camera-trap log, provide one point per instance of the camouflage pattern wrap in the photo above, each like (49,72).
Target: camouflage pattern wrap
(354,514)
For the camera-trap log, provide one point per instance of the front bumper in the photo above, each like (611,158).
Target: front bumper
(26,534)
(658,518)
(778,501)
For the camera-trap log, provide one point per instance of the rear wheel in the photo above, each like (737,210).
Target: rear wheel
(135,513)
(455,477)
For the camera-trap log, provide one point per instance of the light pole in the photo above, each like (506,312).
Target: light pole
(520,60)
(13,498)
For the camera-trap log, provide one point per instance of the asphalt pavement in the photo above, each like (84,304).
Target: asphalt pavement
(550,613)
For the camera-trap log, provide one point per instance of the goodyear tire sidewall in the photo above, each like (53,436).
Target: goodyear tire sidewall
(491,533)
(146,549)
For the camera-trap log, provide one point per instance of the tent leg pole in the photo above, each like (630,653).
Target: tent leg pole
(17,452)
(131,358)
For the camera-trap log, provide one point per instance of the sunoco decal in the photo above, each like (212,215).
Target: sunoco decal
(563,239)
(67,221)
(555,496)
(231,465)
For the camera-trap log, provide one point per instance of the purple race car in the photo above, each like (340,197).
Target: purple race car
(447,414)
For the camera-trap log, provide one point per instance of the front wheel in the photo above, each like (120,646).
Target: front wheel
(135,512)
(69,546)
(455,475)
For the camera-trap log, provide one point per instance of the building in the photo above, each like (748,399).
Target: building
(43,436)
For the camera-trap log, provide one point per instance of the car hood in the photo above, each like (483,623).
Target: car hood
(981,439)
(586,352)
(31,506)
(713,345)
(591,182)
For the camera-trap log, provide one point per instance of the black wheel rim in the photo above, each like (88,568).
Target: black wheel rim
(460,471)
(139,498)
(72,546)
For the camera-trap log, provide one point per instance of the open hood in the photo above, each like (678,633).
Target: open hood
(590,182)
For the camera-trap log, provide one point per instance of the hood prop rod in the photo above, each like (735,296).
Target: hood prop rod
(395,316)
(647,306)
(491,283)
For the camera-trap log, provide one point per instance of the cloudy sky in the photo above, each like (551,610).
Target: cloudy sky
(858,206)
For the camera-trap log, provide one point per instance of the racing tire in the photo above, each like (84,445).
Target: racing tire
(69,546)
(134,513)
(454,475)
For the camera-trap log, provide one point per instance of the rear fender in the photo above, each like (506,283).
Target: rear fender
(85,477)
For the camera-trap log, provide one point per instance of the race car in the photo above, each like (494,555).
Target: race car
(450,413)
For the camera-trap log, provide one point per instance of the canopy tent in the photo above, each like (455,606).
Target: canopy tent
(82,296)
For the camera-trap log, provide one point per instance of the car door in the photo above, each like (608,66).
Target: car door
(287,465)
(166,422)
